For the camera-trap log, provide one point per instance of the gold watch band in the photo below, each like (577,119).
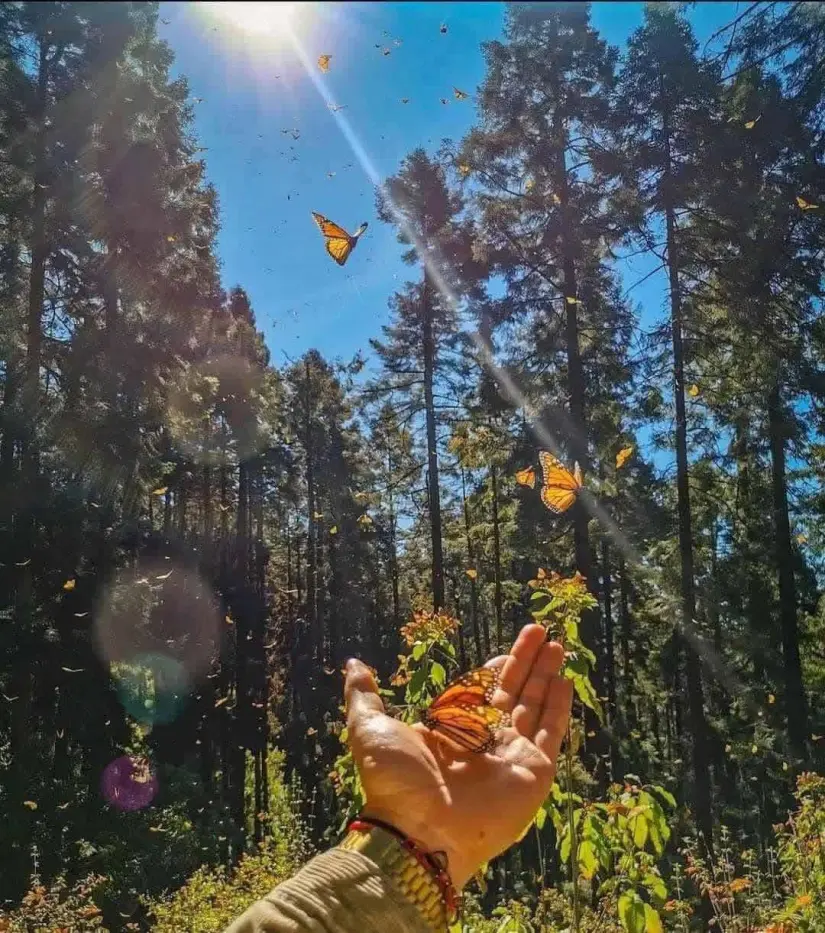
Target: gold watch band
(415,882)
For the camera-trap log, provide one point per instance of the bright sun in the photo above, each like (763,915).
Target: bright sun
(258,18)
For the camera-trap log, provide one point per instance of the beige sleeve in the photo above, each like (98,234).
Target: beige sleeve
(337,892)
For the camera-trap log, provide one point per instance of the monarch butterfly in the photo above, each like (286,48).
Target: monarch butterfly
(323,62)
(623,455)
(338,242)
(560,486)
(526,477)
(462,713)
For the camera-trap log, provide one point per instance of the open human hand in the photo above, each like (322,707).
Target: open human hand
(470,806)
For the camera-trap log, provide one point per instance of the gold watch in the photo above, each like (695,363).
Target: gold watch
(415,881)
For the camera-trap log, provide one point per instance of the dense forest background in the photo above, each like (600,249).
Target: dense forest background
(193,540)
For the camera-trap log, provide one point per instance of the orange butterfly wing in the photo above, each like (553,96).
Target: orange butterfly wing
(339,243)
(526,477)
(560,485)
(462,713)
(328,228)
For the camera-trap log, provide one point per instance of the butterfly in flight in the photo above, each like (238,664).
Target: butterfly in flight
(463,714)
(526,477)
(339,243)
(560,487)
(323,62)
(459,94)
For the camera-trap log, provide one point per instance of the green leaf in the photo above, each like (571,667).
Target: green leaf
(564,848)
(656,886)
(666,795)
(588,863)
(585,692)
(541,818)
(416,684)
(632,912)
(653,922)
(437,674)
(639,828)
(419,650)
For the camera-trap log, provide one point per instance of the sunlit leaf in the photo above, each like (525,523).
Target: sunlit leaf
(632,912)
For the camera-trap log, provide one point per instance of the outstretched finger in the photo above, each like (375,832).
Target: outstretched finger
(555,715)
(530,703)
(517,667)
(360,693)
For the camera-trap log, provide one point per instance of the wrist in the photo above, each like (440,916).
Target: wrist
(429,838)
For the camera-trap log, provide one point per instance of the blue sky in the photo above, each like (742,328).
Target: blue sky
(254,85)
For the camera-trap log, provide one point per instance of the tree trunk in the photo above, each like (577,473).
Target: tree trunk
(434,494)
(609,653)
(796,704)
(396,598)
(471,559)
(702,792)
(312,532)
(625,626)
(576,389)
(497,560)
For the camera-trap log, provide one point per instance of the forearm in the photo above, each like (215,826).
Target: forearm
(337,892)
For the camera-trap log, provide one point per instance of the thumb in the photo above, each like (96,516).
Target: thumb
(360,693)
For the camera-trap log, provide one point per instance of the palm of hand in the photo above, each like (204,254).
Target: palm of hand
(471,806)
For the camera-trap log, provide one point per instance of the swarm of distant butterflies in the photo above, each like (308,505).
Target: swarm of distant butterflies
(338,242)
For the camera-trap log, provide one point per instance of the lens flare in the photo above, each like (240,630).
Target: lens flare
(129,783)
(158,627)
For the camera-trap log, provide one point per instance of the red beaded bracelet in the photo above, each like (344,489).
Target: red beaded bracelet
(434,862)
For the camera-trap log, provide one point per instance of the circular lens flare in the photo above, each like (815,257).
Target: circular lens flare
(129,783)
